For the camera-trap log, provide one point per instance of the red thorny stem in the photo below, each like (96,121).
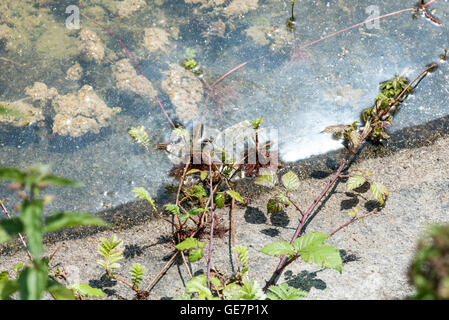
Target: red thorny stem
(322,39)
(134,60)
(283,261)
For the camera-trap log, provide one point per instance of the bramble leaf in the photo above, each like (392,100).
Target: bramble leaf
(355,182)
(290,181)
(380,192)
(85,290)
(266,178)
(278,249)
(235,195)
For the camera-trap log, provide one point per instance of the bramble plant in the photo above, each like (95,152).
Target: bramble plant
(33,278)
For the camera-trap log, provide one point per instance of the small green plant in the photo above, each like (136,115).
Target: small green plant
(112,252)
(33,278)
(429,271)
(137,273)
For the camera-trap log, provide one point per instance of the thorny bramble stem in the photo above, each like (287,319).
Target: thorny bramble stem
(284,262)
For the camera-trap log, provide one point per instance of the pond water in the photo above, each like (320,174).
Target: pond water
(81,92)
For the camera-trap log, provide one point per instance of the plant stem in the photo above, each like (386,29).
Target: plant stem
(212,223)
(284,262)
(354,219)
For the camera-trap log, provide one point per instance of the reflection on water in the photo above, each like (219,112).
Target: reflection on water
(80,92)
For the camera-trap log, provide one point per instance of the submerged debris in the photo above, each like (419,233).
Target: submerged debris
(185,92)
(40,92)
(128,7)
(238,7)
(156,39)
(92,49)
(128,79)
(82,113)
(75,72)
(274,36)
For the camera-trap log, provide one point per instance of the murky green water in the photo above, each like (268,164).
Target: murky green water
(78,132)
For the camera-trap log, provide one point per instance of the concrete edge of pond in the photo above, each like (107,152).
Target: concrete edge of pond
(376,253)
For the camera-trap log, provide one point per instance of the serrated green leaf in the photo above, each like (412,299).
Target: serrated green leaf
(266,179)
(380,192)
(219,200)
(203,175)
(325,256)
(278,203)
(235,195)
(86,291)
(284,292)
(355,182)
(196,254)
(242,253)
(199,192)
(189,243)
(250,290)
(137,272)
(198,285)
(173,208)
(290,181)
(278,249)
(62,220)
(9,228)
(309,240)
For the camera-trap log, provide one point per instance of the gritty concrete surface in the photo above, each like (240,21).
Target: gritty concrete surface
(376,253)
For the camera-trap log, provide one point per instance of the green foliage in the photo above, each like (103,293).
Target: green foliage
(429,270)
(266,178)
(197,286)
(219,200)
(278,203)
(139,135)
(256,123)
(33,280)
(242,253)
(195,247)
(284,292)
(85,291)
(144,194)
(290,181)
(380,192)
(310,248)
(236,196)
(112,251)
(137,273)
